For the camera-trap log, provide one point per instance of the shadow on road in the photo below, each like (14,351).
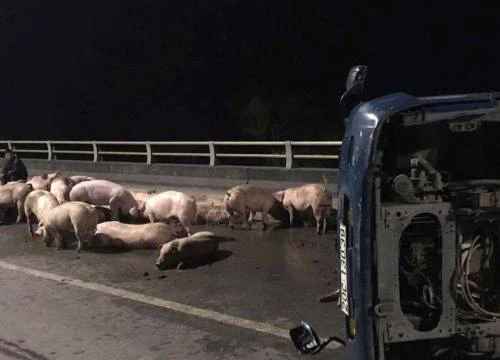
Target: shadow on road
(218,256)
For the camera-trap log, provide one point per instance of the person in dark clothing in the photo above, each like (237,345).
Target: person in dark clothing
(13,169)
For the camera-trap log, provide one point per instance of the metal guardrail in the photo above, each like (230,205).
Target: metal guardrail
(94,149)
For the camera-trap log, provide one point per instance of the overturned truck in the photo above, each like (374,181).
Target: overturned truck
(419,228)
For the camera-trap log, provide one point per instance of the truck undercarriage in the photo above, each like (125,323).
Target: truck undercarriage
(437,251)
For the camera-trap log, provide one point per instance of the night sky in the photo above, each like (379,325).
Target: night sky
(199,70)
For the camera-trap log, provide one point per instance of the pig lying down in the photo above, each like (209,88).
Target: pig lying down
(103,192)
(166,205)
(188,251)
(113,234)
(77,217)
(303,197)
(241,200)
(36,204)
(12,195)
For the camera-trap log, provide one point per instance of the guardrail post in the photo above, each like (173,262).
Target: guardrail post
(49,151)
(149,155)
(211,147)
(96,151)
(289,155)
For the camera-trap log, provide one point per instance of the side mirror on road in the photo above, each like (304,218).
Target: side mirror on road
(307,342)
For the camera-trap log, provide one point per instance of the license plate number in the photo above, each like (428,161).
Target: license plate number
(344,295)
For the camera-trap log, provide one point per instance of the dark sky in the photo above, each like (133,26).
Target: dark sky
(188,69)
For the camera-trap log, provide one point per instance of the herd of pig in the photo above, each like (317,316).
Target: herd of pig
(103,214)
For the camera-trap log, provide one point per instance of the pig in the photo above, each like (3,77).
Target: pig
(193,249)
(36,204)
(12,195)
(103,213)
(169,204)
(242,199)
(81,178)
(60,187)
(126,236)
(40,182)
(211,212)
(141,198)
(103,192)
(74,216)
(302,197)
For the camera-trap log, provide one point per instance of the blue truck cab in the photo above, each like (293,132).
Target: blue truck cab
(418,228)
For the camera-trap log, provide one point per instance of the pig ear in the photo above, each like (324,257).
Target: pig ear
(173,249)
(279,195)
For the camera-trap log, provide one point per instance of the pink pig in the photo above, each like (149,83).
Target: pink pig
(103,192)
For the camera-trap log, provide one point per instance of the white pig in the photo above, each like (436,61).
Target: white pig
(40,182)
(77,217)
(12,195)
(302,197)
(196,248)
(169,204)
(138,236)
(36,204)
(103,192)
(60,187)
(243,199)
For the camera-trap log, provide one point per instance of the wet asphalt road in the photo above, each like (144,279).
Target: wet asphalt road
(274,277)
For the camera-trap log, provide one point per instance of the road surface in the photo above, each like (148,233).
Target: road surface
(117,305)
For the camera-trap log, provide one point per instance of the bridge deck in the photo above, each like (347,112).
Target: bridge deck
(273,277)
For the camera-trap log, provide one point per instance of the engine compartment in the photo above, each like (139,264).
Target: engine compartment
(438,240)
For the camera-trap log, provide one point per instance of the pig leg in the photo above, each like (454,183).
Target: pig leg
(231,219)
(265,212)
(231,216)
(82,237)
(114,205)
(30,225)
(247,224)
(47,236)
(290,211)
(185,223)
(324,225)
(59,240)
(319,218)
(20,211)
